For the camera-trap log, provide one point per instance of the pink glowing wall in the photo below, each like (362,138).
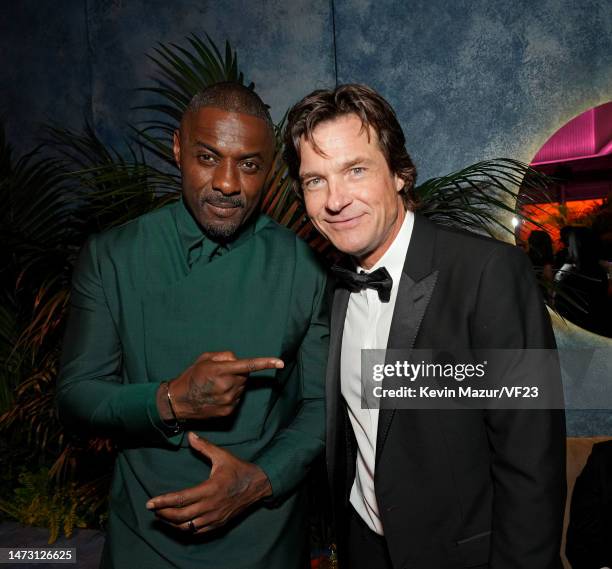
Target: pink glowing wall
(588,135)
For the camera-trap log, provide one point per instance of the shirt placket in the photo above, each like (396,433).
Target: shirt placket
(371,334)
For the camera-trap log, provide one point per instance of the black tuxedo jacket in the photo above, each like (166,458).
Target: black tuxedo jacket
(589,534)
(460,488)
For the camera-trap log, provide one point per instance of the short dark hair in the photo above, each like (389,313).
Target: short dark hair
(374,112)
(232,97)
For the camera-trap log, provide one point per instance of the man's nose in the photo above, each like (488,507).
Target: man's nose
(226,178)
(338,196)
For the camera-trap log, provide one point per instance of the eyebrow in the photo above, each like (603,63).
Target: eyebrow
(343,166)
(200,144)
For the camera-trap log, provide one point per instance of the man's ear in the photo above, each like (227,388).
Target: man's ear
(399,183)
(176,147)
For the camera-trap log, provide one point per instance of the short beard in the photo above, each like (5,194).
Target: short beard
(222,231)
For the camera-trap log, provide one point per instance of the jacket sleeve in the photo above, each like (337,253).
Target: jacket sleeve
(290,453)
(527,446)
(91,396)
(588,539)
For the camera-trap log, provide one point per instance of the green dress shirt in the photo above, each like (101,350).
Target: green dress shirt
(148,298)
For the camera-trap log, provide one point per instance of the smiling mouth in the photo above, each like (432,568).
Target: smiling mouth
(347,223)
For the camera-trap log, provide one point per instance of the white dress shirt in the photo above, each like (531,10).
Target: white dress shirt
(366,326)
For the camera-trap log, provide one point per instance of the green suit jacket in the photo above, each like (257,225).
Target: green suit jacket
(148,298)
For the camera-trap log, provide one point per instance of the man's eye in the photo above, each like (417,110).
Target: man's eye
(206,158)
(313,183)
(358,170)
(250,166)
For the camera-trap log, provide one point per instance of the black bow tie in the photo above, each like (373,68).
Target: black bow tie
(380,280)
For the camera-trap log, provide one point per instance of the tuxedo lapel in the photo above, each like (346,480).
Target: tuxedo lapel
(414,293)
(332,378)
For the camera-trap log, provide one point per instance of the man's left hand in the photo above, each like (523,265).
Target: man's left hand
(232,487)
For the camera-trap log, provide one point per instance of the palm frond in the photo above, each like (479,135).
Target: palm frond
(477,197)
(180,73)
(112,189)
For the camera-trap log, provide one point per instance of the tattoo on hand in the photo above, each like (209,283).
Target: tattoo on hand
(239,485)
(198,395)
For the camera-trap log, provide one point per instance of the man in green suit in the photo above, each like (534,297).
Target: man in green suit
(197,340)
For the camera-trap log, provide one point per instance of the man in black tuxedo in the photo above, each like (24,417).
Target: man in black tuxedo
(421,489)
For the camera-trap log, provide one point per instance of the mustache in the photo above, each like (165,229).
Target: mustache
(222,201)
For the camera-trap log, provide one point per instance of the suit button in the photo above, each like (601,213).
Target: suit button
(391,508)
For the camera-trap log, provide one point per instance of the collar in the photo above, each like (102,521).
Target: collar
(192,236)
(395,256)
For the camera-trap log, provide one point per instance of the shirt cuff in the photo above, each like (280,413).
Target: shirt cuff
(271,471)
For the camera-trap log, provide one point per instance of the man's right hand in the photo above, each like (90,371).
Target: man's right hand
(211,387)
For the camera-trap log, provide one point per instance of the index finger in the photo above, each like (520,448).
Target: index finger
(250,365)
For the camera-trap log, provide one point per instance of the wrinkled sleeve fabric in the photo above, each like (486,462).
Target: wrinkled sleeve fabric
(92,397)
(527,446)
(287,458)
